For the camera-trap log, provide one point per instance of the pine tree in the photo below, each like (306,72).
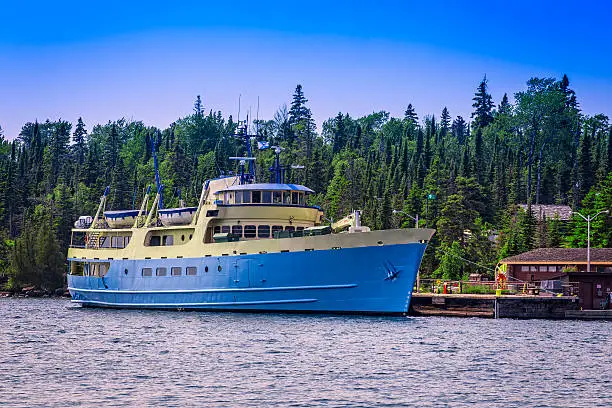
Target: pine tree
(445,122)
(586,174)
(483,105)
(459,130)
(197,106)
(410,117)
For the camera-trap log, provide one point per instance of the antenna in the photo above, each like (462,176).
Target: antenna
(257,120)
(239,96)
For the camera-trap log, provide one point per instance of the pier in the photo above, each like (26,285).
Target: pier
(504,306)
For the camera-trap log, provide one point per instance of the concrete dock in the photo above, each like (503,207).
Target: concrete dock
(505,306)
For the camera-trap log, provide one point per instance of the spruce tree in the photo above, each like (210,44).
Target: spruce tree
(483,105)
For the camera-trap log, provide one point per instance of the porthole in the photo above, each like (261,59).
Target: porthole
(190,235)
(182,237)
(125,271)
(219,268)
(206,268)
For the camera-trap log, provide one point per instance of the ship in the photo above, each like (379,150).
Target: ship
(247,246)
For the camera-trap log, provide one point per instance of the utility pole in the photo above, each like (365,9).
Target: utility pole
(588,219)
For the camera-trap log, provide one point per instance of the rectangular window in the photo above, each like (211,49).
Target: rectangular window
(155,240)
(543,268)
(76,268)
(250,231)
(147,272)
(168,240)
(191,271)
(287,197)
(246,197)
(225,229)
(126,241)
(104,242)
(300,228)
(524,268)
(217,229)
(263,231)
(117,242)
(534,268)
(276,228)
(175,271)
(161,271)
(289,228)
(301,198)
(256,197)
(277,197)
(237,230)
(266,197)
(294,198)
(238,197)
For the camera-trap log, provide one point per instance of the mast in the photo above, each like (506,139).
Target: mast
(158,184)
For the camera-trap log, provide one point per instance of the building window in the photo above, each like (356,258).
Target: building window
(266,197)
(256,197)
(225,229)
(543,268)
(175,271)
(263,231)
(191,271)
(161,271)
(250,231)
(277,197)
(237,230)
(147,272)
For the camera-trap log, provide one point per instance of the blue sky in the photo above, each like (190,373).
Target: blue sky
(148,60)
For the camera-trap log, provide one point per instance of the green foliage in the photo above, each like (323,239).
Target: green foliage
(540,149)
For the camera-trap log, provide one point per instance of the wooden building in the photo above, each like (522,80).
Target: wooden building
(568,265)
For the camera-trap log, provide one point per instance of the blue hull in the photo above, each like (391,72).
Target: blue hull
(377,279)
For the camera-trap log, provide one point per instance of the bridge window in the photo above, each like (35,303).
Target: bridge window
(264,231)
(250,231)
(168,240)
(237,230)
(256,197)
(238,197)
(217,229)
(289,228)
(191,271)
(294,198)
(147,272)
(155,240)
(277,197)
(276,228)
(161,271)
(225,229)
(175,271)
(246,197)
(287,197)
(266,197)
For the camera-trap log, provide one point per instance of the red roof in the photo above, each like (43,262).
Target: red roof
(561,256)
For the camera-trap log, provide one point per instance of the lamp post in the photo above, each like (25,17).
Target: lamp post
(415,218)
(588,219)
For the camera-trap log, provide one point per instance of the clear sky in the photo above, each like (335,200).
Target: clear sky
(148,60)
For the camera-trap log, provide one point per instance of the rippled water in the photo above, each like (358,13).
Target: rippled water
(55,354)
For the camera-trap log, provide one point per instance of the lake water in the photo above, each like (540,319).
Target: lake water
(55,354)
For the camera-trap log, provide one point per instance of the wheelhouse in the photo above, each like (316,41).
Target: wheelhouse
(264,194)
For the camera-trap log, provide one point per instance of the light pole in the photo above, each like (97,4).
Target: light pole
(415,218)
(588,219)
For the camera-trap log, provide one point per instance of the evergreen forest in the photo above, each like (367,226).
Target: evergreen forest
(466,177)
